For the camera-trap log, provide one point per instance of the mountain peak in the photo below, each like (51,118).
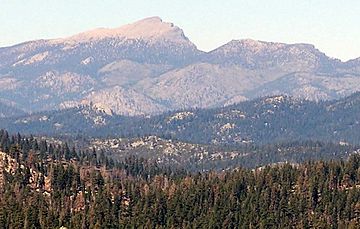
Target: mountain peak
(150,29)
(261,54)
(257,45)
(154,19)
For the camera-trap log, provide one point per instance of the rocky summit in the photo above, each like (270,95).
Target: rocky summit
(150,66)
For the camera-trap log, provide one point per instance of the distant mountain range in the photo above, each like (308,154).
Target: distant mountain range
(257,122)
(150,67)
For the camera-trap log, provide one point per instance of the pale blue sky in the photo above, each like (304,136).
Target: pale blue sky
(333,26)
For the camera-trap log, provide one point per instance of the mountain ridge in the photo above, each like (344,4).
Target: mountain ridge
(154,59)
(260,121)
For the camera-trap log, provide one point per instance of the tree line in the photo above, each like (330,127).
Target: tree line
(45,188)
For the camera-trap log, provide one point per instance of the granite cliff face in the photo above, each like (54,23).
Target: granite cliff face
(150,66)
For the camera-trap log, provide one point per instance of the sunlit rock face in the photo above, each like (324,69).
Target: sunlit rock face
(150,66)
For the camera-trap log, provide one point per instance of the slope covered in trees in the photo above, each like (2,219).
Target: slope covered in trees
(260,121)
(197,157)
(49,186)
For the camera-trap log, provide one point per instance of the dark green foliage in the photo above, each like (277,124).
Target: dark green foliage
(136,193)
(260,121)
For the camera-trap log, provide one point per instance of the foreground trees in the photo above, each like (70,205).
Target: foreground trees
(52,191)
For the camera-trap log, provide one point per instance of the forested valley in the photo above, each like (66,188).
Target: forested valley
(49,186)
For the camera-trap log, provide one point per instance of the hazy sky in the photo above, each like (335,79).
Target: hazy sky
(333,26)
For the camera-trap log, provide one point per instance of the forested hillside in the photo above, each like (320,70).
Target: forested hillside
(46,185)
(197,157)
(261,121)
